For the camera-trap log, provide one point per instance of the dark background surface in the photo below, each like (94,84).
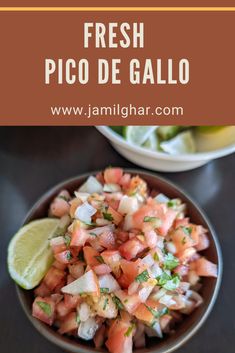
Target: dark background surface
(34,159)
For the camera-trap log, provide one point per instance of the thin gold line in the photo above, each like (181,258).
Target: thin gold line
(113,9)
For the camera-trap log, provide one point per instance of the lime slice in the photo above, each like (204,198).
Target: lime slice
(182,143)
(209,138)
(138,135)
(152,142)
(29,252)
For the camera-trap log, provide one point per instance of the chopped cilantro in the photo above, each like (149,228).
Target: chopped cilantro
(183,241)
(169,282)
(157,313)
(63,198)
(170,262)
(125,301)
(118,302)
(69,256)
(104,290)
(155,257)
(171,203)
(99,259)
(105,303)
(78,319)
(46,308)
(67,240)
(129,330)
(108,216)
(142,277)
(155,220)
(81,256)
(93,234)
(187,230)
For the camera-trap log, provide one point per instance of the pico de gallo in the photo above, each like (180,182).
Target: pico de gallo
(127,263)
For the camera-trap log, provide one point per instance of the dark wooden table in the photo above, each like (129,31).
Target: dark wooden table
(34,159)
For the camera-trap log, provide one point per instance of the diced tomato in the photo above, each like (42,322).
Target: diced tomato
(113,175)
(118,341)
(131,269)
(90,256)
(122,235)
(181,239)
(167,222)
(186,255)
(69,323)
(74,205)
(151,239)
(53,278)
(79,237)
(99,337)
(143,314)
(61,309)
(131,248)
(165,321)
(112,259)
(59,265)
(125,180)
(205,268)
(59,207)
(117,217)
(65,257)
(57,297)
(76,269)
(44,309)
(107,240)
(42,290)
(130,302)
(58,245)
(181,222)
(102,269)
(71,301)
(59,286)
(113,203)
(182,270)
(203,242)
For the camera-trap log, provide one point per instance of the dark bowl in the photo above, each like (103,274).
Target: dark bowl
(189,325)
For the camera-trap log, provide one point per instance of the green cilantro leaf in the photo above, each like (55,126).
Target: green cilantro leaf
(69,256)
(100,259)
(129,330)
(46,308)
(155,220)
(157,313)
(142,277)
(67,240)
(104,290)
(105,303)
(187,230)
(118,303)
(170,262)
(108,216)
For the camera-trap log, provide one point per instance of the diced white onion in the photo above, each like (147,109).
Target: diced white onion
(191,294)
(85,212)
(133,287)
(128,222)
(91,186)
(144,293)
(87,329)
(159,294)
(83,196)
(167,300)
(100,230)
(84,311)
(108,281)
(111,188)
(128,205)
(148,260)
(161,198)
(155,270)
(170,246)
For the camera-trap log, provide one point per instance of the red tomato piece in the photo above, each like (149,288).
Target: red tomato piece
(118,341)
(53,277)
(131,248)
(79,237)
(116,216)
(113,175)
(68,323)
(90,256)
(44,309)
(205,268)
(42,290)
(65,257)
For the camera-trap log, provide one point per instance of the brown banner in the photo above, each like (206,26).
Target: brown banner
(205,39)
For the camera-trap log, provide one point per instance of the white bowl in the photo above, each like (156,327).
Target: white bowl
(161,161)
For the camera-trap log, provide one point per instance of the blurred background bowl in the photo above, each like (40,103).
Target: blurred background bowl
(190,324)
(161,161)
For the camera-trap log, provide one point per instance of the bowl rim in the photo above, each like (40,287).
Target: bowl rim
(187,157)
(66,342)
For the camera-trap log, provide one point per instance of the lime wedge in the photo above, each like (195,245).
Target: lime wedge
(29,252)
(152,142)
(138,135)
(209,138)
(182,143)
